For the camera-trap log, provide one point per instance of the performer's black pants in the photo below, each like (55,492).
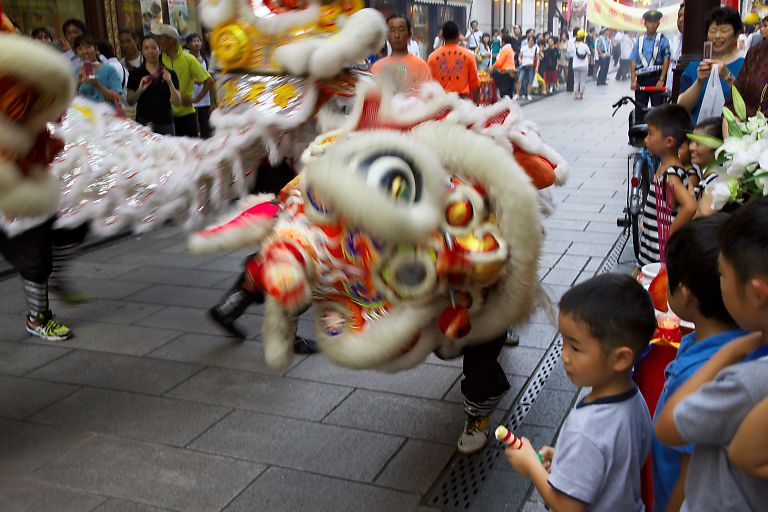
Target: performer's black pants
(484,380)
(30,252)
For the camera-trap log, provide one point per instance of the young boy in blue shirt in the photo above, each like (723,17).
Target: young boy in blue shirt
(694,295)
(606,323)
(709,407)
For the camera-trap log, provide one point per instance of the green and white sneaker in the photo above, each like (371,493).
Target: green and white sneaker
(475,435)
(46,327)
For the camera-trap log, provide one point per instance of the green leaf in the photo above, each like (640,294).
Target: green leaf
(738,103)
(733,126)
(706,140)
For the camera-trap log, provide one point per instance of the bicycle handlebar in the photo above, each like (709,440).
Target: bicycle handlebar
(626,99)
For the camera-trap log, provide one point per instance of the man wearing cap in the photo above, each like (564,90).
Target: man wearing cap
(188,70)
(649,62)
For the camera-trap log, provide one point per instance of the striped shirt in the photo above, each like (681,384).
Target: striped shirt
(649,232)
(706,180)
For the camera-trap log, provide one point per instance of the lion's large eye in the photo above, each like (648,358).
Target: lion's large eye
(395,175)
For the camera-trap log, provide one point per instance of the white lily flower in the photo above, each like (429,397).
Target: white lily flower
(721,194)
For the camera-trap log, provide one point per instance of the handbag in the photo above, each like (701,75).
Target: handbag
(714,99)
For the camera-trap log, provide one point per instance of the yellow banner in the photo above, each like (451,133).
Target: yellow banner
(608,13)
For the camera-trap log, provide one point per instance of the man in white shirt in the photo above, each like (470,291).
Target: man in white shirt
(474,36)
(627,43)
(676,46)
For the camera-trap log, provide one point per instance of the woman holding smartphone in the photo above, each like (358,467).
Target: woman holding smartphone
(153,89)
(723,28)
(95,81)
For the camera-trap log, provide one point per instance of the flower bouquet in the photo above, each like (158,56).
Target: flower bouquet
(742,159)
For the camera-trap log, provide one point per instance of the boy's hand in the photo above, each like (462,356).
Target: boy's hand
(522,459)
(547,454)
(739,348)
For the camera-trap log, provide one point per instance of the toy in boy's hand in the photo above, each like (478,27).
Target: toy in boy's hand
(509,439)
(658,290)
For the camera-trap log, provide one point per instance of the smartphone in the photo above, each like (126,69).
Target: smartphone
(88,67)
(707,53)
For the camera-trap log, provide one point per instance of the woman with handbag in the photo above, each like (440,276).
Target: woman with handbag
(723,28)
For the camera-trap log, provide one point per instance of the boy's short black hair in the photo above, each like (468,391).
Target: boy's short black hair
(129,31)
(450,30)
(106,49)
(617,310)
(691,257)
(506,39)
(672,119)
(41,30)
(725,16)
(85,40)
(743,239)
(712,126)
(76,22)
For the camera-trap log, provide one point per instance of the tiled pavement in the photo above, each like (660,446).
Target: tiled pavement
(149,408)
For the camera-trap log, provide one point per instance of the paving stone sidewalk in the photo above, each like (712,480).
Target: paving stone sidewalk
(150,408)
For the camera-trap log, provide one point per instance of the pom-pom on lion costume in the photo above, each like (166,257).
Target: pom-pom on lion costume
(412,229)
(35,88)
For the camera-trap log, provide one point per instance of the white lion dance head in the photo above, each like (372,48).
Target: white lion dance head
(412,229)
(36,87)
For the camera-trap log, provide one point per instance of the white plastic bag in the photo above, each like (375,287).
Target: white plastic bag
(714,99)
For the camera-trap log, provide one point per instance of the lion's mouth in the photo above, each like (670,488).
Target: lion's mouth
(21,100)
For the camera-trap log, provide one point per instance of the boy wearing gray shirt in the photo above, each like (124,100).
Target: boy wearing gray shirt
(606,323)
(709,407)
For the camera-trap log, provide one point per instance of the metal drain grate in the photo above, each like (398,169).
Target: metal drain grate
(463,477)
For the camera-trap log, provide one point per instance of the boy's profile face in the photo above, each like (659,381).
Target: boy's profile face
(584,358)
(655,141)
(739,298)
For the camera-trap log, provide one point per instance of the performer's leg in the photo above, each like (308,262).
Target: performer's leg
(30,253)
(66,245)
(483,386)
(232,305)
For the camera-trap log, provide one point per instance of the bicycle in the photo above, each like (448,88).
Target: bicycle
(641,166)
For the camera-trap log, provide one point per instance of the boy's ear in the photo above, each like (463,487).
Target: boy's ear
(759,286)
(622,359)
(671,143)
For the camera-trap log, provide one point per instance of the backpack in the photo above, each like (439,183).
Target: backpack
(580,55)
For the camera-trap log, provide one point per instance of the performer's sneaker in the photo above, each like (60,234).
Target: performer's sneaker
(46,327)
(475,435)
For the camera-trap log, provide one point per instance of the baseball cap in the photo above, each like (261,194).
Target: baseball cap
(168,31)
(652,15)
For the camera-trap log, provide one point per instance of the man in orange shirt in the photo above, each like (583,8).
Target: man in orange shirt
(407,71)
(453,66)
(504,68)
